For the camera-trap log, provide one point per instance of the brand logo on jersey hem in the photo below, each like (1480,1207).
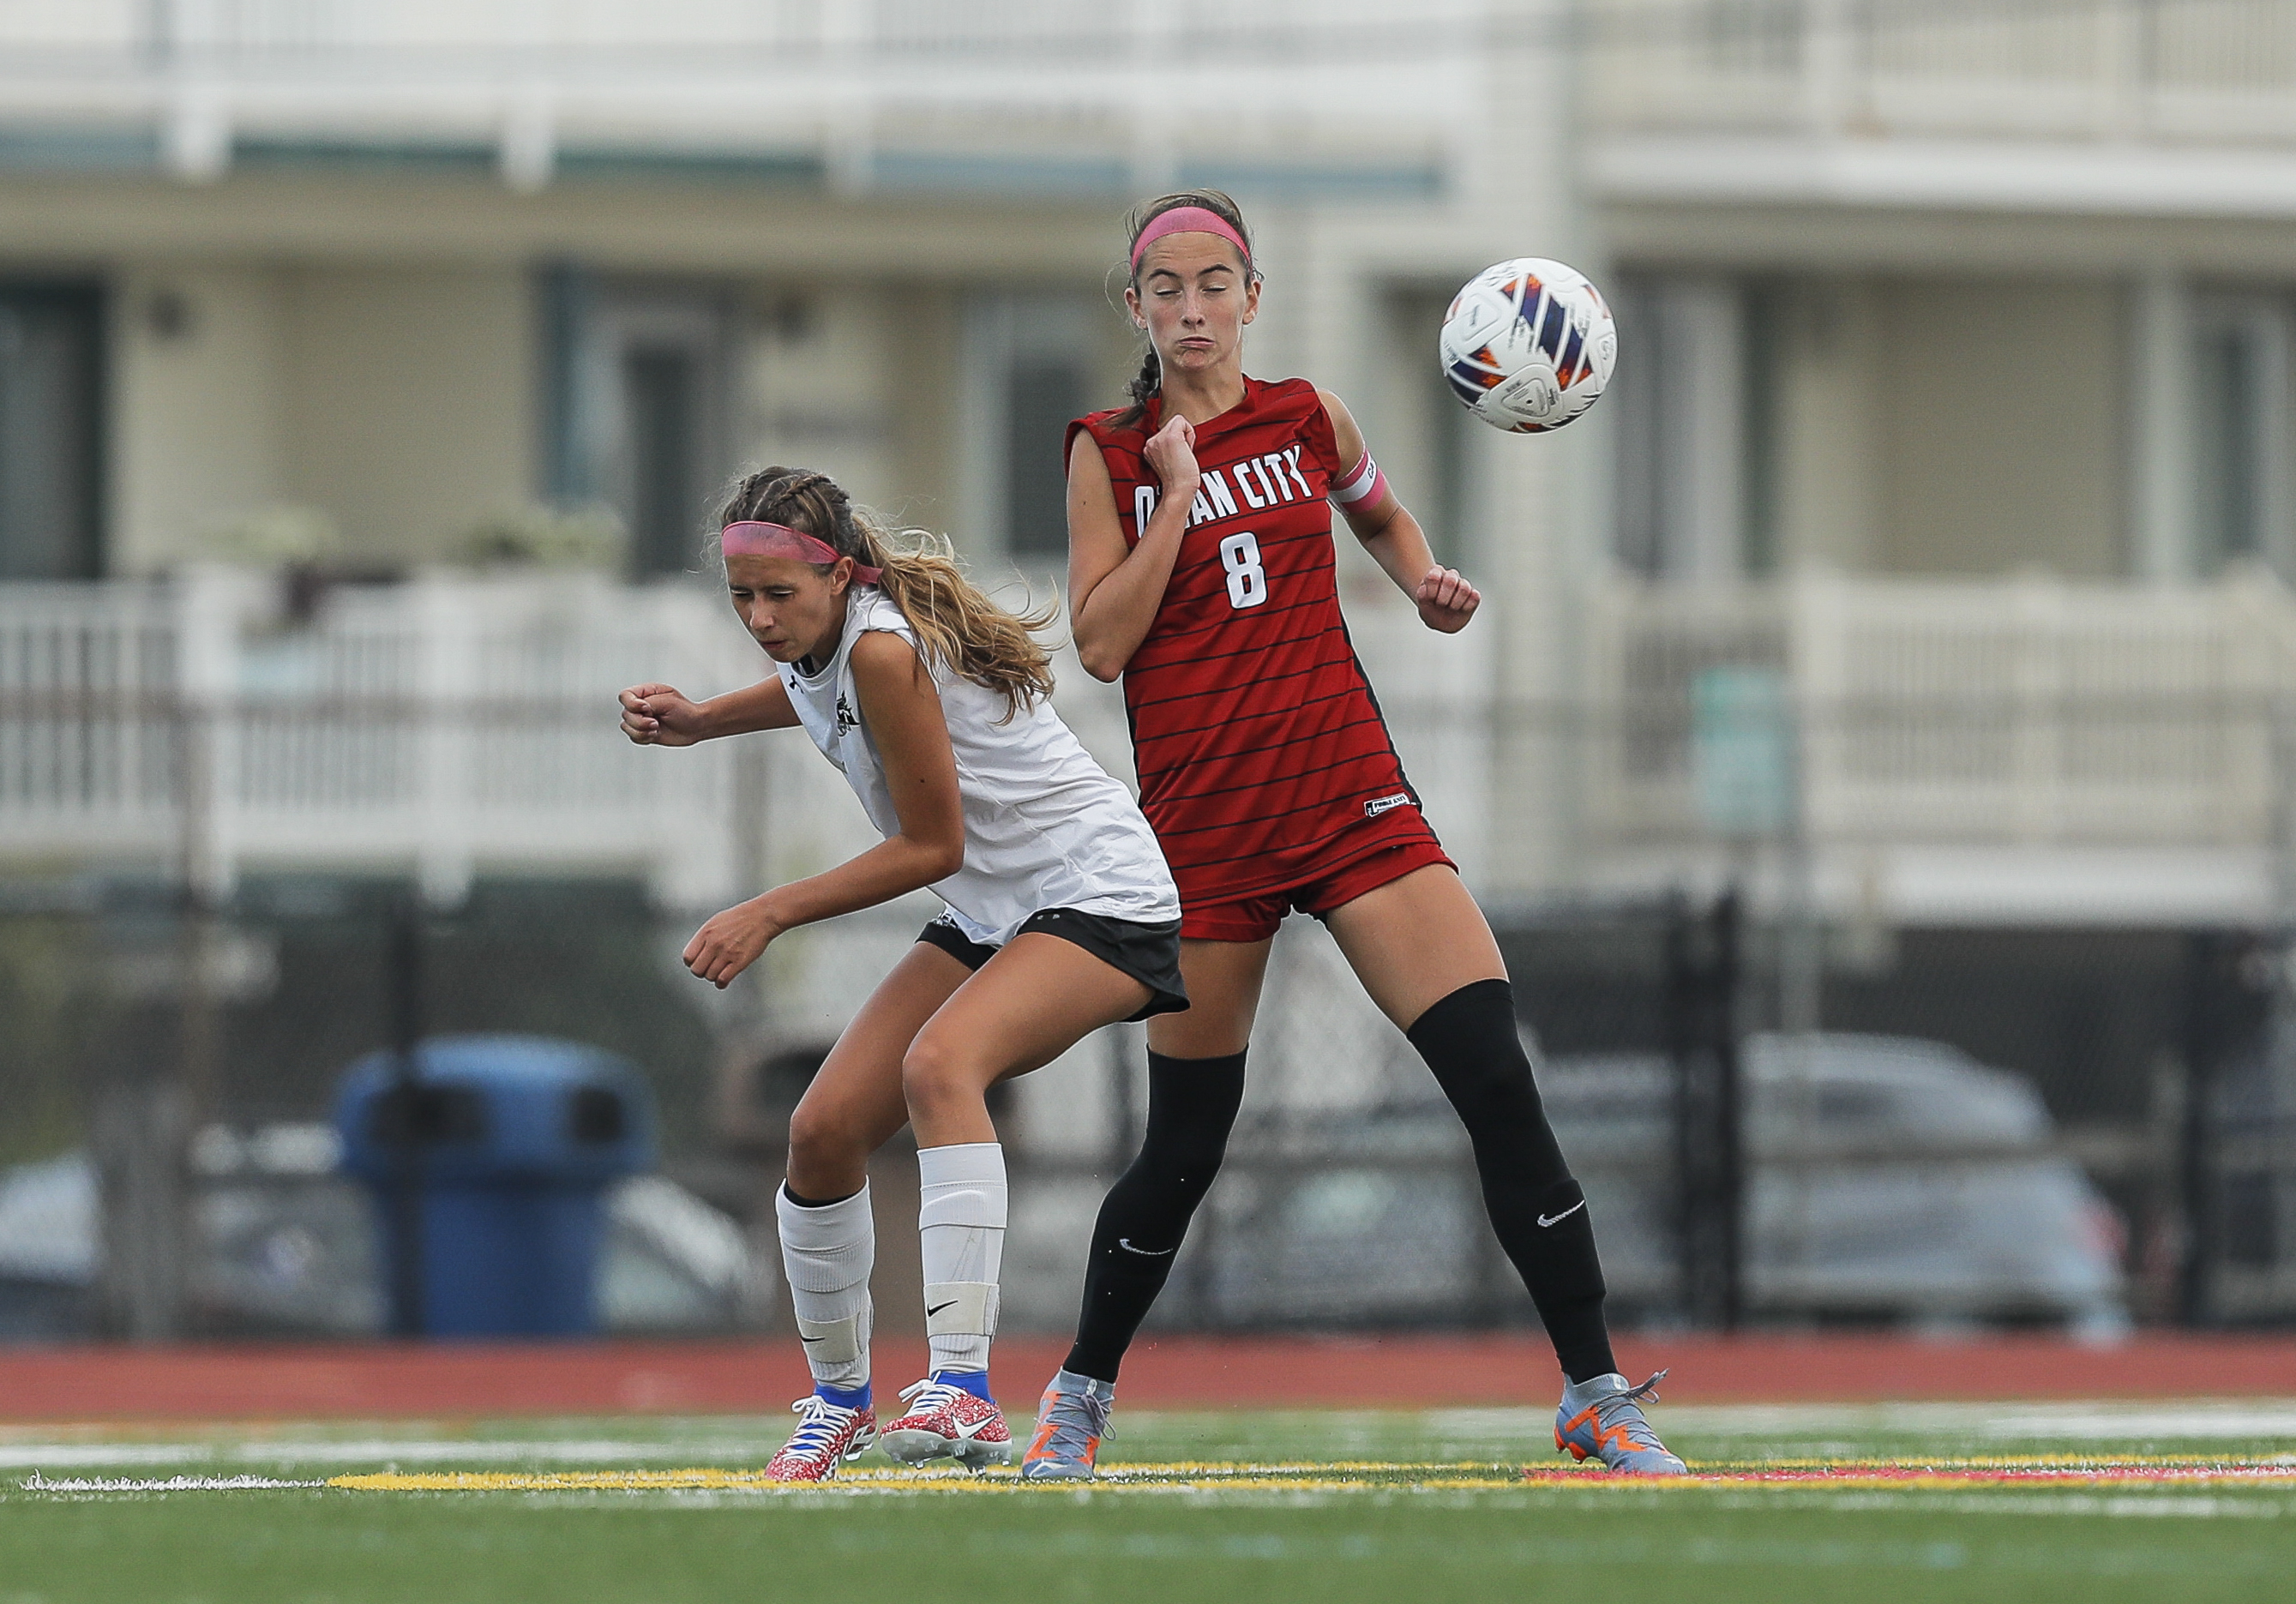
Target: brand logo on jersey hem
(1379,805)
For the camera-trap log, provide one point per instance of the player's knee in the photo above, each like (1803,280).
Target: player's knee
(1493,1089)
(938,1077)
(820,1142)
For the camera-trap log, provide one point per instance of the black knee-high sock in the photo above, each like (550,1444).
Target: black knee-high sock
(1192,1104)
(1471,1041)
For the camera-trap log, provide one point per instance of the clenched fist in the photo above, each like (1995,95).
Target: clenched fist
(658,716)
(1446,600)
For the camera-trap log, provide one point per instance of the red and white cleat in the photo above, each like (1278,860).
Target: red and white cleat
(947,1422)
(827,1436)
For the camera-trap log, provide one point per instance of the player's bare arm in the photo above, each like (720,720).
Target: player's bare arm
(903,713)
(1113,593)
(1392,535)
(656,714)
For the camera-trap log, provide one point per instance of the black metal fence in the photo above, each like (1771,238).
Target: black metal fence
(178,1051)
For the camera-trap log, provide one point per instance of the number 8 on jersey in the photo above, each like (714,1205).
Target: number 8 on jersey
(1247,581)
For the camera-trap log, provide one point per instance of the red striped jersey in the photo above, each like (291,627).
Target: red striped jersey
(1264,763)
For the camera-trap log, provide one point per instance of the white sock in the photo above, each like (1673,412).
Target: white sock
(960,1220)
(827,1254)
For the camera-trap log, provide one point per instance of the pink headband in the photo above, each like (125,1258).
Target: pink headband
(779,540)
(1188,219)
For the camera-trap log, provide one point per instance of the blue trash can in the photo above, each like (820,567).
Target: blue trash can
(518,1138)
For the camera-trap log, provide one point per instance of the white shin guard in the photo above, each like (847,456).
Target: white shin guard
(961,1225)
(828,1255)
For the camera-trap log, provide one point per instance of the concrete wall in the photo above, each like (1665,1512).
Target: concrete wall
(410,396)
(1951,426)
(197,401)
(1830,360)
(397,401)
(2001,415)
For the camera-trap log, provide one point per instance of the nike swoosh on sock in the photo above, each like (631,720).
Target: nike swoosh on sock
(1565,1215)
(1126,1243)
(933,1309)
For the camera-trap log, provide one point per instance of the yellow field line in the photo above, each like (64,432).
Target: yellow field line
(1800,1474)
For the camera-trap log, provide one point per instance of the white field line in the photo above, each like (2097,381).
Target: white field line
(374,1451)
(37,1483)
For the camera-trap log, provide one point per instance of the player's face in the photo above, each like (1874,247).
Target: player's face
(1193,300)
(791,607)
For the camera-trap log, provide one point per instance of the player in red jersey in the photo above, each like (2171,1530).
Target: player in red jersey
(1202,569)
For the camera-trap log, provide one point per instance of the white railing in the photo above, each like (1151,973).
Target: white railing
(446,727)
(2018,713)
(455,726)
(2221,71)
(538,82)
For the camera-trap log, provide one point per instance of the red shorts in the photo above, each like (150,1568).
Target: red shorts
(1254,918)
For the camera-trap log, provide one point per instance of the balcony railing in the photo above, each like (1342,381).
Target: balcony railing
(2212,70)
(438,728)
(1086,94)
(2026,712)
(455,727)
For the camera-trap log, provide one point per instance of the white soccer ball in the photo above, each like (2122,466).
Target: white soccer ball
(1528,344)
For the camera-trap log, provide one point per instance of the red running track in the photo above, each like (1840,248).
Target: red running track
(1393,1371)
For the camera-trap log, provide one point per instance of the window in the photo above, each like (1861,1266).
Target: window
(1042,393)
(51,431)
(1415,427)
(660,403)
(1679,400)
(1028,368)
(636,408)
(2241,421)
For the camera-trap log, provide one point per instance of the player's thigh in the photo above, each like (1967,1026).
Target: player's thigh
(857,1094)
(1414,941)
(1038,998)
(1223,979)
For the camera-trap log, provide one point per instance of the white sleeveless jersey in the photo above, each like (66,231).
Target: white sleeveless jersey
(1045,825)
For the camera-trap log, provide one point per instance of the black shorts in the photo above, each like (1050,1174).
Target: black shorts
(1148,952)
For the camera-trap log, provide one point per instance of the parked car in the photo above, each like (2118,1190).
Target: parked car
(1887,1179)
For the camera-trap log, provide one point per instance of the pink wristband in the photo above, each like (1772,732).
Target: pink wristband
(1361,483)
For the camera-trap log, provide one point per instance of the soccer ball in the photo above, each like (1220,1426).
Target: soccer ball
(1527,345)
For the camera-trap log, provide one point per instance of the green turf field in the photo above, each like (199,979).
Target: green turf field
(2161,1502)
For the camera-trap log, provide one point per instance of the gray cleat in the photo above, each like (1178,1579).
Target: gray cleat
(1071,1420)
(1602,1418)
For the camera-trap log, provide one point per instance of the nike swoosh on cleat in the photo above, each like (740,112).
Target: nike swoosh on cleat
(933,1309)
(1565,1215)
(1126,1243)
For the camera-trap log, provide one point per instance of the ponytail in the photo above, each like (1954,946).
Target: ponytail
(957,626)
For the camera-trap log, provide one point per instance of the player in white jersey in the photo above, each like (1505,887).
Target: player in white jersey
(1061,918)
